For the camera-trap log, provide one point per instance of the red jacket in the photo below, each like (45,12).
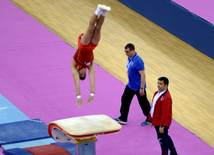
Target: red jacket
(163,110)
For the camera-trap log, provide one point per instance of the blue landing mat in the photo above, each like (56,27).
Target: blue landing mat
(17,151)
(23,131)
(32,143)
(70,147)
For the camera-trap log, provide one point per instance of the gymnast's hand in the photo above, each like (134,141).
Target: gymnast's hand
(79,102)
(90,99)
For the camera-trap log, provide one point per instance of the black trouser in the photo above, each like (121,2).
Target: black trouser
(126,102)
(165,142)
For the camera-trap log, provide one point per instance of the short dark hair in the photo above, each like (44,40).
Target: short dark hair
(130,46)
(82,78)
(164,79)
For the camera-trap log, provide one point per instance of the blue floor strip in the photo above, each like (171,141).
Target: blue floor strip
(10,138)
(9,112)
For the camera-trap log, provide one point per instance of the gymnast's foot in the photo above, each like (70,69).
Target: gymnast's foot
(104,7)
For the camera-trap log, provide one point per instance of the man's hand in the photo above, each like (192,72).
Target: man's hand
(90,99)
(161,129)
(79,102)
(142,92)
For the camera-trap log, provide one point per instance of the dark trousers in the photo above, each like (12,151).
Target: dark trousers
(126,102)
(165,142)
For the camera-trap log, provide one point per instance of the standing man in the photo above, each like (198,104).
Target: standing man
(83,58)
(135,86)
(161,116)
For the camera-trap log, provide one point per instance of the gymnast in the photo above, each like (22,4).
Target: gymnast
(83,58)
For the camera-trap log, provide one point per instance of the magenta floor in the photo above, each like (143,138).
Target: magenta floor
(204,9)
(35,76)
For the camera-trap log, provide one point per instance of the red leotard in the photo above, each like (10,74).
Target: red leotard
(84,54)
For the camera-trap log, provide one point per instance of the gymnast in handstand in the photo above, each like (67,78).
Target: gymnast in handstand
(83,58)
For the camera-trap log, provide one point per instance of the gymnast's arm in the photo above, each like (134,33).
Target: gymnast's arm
(92,81)
(75,76)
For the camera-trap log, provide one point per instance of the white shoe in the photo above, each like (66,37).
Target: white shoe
(104,7)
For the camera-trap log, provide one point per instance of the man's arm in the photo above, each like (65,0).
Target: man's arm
(165,110)
(166,107)
(75,76)
(92,82)
(143,80)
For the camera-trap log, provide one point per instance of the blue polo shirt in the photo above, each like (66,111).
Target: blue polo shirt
(135,65)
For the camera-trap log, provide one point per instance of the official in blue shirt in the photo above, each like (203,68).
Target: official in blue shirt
(135,86)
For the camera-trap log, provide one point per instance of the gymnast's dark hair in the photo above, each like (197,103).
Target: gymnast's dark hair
(164,79)
(130,46)
(82,78)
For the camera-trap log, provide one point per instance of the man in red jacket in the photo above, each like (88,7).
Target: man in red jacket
(161,116)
